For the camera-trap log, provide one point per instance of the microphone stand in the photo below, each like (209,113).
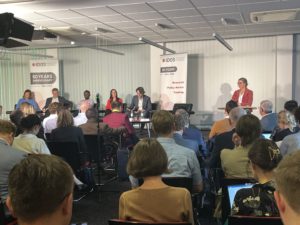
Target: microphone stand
(99,155)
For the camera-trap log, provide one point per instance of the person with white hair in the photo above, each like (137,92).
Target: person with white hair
(268,120)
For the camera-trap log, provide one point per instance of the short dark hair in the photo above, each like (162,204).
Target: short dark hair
(244,80)
(7,127)
(230,105)
(115,105)
(147,159)
(248,128)
(16,116)
(163,122)
(297,114)
(265,154)
(291,105)
(27,91)
(91,113)
(54,89)
(38,185)
(30,121)
(141,90)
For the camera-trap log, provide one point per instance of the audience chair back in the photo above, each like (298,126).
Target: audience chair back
(187,107)
(124,222)
(184,182)
(226,208)
(94,146)
(254,220)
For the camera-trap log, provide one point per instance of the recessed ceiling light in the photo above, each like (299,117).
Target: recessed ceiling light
(72,42)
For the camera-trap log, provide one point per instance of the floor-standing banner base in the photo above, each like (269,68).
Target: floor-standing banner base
(173,77)
(44,75)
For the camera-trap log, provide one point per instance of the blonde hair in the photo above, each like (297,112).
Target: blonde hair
(27,109)
(65,119)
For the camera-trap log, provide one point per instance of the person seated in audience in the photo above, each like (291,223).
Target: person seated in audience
(46,195)
(291,106)
(223,125)
(141,103)
(268,120)
(191,132)
(112,98)
(86,95)
(259,200)
(224,140)
(50,122)
(235,163)
(286,125)
(55,98)
(27,109)
(15,117)
(182,162)
(93,127)
(28,141)
(27,97)
(177,135)
(81,117)
(9,156)
(291,142)
(66,131)
(287,194)
(117,119)
(153,201)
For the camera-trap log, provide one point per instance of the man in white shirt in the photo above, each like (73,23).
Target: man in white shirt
(81,117)
(49,123)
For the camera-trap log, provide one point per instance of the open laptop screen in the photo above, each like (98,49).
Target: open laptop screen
(233,189)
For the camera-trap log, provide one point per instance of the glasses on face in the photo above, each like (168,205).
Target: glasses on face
(240,82)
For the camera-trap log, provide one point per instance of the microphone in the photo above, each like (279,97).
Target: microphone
(97,99)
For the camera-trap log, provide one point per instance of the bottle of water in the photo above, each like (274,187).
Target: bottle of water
(142,115)
(131,114)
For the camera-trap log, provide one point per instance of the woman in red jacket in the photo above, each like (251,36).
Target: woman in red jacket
(243,96)
(113,97)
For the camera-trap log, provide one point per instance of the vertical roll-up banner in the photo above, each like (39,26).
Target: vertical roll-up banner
(173,77)
(44,75)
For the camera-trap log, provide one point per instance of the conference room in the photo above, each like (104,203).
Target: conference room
(138,59)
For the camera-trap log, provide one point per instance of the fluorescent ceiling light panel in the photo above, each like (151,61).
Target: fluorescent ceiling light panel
(274,16)
(222,41)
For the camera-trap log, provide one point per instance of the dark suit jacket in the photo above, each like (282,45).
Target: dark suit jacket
(146,104)
(195,134)
(222,141)
(61,100)
(247,97)
(118,119)
(269,122)
(69,134)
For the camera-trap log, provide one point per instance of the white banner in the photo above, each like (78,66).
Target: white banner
(44,75)
(173,77)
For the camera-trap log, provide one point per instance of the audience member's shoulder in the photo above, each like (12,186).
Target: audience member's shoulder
(16,152)
(225,152)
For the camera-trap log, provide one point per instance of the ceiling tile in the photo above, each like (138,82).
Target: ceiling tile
(233,16)
(31,16)
(254,1)
(172,5)
(59,14)
(212,3)
(122,24)
(51,23)
(151,23)
(180,13)
(219,10)
(191,19)
(132,8)
(78,20)
(96,11)
(193,25)
(111,19)
(145,16)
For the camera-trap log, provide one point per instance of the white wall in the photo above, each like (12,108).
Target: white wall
(213,71)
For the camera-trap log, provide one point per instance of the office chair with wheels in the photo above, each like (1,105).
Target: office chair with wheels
(186,106)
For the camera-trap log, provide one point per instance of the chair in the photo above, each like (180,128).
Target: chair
(187,107)
(94,145)
(125,222)
(225,182)
(254,220)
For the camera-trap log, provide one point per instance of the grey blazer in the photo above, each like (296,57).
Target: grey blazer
(146,104)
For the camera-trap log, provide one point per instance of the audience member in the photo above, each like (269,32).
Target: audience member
(117,119)
(268,120)
(191,132)
(55,98)
(113,97)
(86,95)
(177,135)
(9,156)
(93,127)
(224,140)
(182,162)
(81,117)
(141,103)
(291,106)
(291,142)
(259,200)
(28,141)
(235,162)
(286,125)
(27,97)
(50,122)
(66,131)
(15,117)
(41,191)
(27,109)
(153,201)
(223,125)
(287,192)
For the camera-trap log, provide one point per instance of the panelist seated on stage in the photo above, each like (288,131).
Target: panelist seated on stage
(117,119)
(223,125)
(93,127)
(86,95)
(27,97)
(55,98)
(268,120)
(112,98)
(243,96)
(141,103)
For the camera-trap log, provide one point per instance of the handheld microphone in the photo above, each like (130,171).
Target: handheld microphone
(98,98)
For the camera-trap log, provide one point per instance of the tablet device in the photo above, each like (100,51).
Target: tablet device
(233,189)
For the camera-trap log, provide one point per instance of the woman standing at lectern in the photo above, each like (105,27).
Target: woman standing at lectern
(243,96)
